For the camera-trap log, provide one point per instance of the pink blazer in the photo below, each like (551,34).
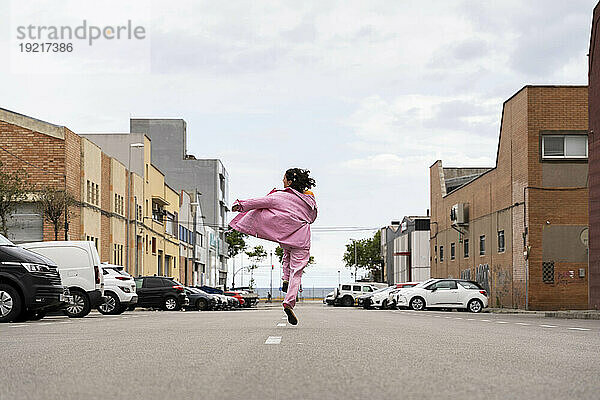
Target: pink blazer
(282,216)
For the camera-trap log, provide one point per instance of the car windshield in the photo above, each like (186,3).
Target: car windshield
(193,290)
(5,242)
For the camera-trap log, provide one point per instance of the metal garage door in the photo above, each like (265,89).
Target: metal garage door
(26,224)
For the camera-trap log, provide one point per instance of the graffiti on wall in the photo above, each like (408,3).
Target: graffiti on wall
(482,276)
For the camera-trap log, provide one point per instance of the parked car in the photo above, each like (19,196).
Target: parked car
(379,298)
(347,293)
(329,299)
(250,298)
(236,295)
(392,300)
(79,267)
(119,290)
(444,293)
(160,292)
(200,300)
(30,284)
(364,300)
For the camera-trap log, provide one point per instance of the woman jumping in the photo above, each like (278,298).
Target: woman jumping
(283,216)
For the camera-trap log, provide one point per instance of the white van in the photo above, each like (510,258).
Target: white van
(79,268)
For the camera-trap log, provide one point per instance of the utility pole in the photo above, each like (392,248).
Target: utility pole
(136,273)
(271,287)
(355,263)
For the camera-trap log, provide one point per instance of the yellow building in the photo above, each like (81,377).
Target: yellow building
(91,179)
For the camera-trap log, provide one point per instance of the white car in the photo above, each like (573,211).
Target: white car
(119,290)
(347,293)
(380,297)
(444,293)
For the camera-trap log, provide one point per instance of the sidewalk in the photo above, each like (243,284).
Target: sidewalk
(566,314)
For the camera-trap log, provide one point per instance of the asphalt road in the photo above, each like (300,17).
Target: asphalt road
(334,353)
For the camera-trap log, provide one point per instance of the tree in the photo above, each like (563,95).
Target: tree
(236,242)
(13,189)
(54,205)
(256,255)
(368,253)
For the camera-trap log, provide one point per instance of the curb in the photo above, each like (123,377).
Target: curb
(592,314)
(567,314)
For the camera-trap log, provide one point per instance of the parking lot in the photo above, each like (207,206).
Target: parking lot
(336,352)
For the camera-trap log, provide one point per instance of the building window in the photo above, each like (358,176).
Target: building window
(548,272)
(481,245)
(153,245)
(452,251)
(564,146)
(89,192)
(441,253)
(466,248)
(146,244)
(501,247)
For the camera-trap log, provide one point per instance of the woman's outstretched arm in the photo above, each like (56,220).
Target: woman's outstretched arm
(252,204)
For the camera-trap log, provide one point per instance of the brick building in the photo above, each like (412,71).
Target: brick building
(594,160)
(520,228)
(51,155)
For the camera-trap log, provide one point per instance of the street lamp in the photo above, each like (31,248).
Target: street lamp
(271,288)
(131,146)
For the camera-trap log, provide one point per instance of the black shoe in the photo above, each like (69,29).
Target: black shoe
(291,316)
(284,286)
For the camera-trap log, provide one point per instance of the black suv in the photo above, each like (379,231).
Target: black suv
(160,292)
(30,284)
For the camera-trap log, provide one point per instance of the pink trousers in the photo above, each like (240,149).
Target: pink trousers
(294,261)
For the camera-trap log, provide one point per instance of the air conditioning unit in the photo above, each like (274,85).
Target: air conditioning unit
(459,214)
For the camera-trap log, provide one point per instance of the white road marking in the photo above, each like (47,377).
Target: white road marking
(470,319)
(447,317)
(548,326)
(17,326)
(457,318)
(578,329)
(522,323)
(46,323)
(273,340)
(282,324)
(484,320)
(437,316)
(501,322)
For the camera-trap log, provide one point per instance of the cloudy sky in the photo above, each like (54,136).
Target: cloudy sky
(365,94)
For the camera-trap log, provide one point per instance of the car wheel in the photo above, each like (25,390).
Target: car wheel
(81,305)
(111,305)
(171,304)
(10,303)
(475,306)
(347,301)
(384,305)
(122,309)
(202,305)
(417,304)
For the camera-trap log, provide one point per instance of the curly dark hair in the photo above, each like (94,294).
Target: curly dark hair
(299,179)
